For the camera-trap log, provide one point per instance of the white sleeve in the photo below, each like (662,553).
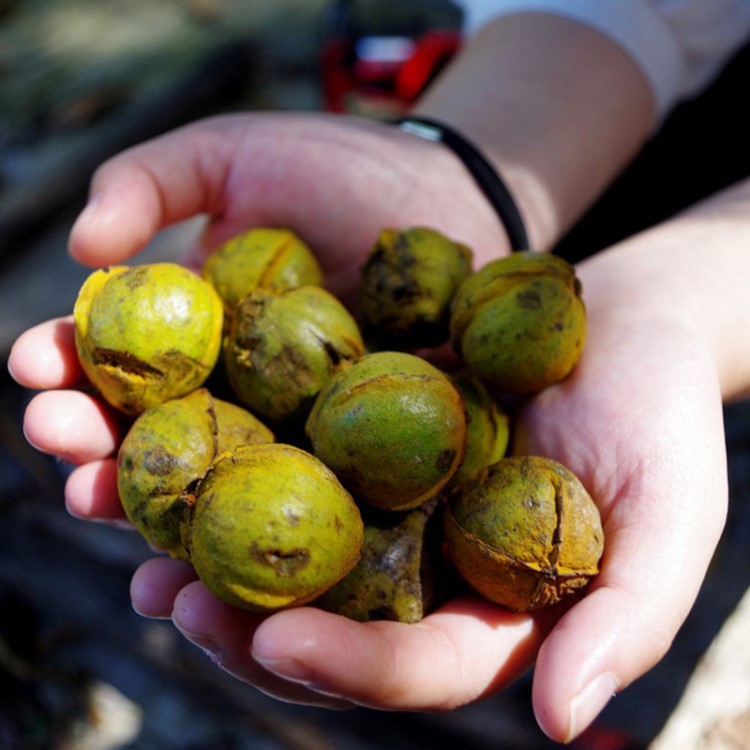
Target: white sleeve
(680,45)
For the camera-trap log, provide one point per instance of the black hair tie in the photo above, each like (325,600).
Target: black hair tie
(485,175)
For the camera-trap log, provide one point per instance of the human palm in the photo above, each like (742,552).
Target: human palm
(649,449)
(639,421)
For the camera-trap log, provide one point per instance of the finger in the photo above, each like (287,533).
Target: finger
(616,633)
(464,651)
(72,425)
(150,186)
(656,556)
(156,583)
(91,493)
(225,634)
(45,356)
(657,469)
(132,196)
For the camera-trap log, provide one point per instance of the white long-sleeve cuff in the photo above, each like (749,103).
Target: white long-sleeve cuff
(678,45)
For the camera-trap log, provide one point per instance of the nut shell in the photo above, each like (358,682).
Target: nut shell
(526,534)
(519,323)
(263,257)
(487,427)
(397,575)
(272,528)
(146,334)
(167,450)
(283,347)
(393,428)
(408,282)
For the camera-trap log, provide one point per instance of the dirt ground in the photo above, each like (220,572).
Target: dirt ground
(78,669)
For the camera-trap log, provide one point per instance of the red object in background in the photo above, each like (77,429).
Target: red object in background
(599,737)
(382,75)
(432,52)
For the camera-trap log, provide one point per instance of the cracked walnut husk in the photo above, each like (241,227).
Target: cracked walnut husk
(148,333)
(271,527)
(519,323)
(526,534)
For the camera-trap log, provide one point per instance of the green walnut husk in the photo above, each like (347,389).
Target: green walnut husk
(487,427)
(263,257)
(408,281)
(393,428)
(282,348)
(397,575)
(526,534)
(519,323)
(271,527)
(146,334)
(167,450)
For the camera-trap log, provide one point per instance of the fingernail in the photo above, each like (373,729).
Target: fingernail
(294,671)
(589,702)
(89,212)
(208,645)
(288,669)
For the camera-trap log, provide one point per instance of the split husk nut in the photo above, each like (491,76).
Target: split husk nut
(393,428)
(262,257)
(408,282)
(146,334)
(519,323)
(525,534)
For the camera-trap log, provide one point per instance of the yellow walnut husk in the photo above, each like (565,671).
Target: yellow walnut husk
(146,334)
(283,346)
(397,576)
(519,323)
(526,534)
(393,428)
(271,527)
(487,427)
(262,257)
(408,281)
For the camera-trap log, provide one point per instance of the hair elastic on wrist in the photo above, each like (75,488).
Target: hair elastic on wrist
(484,174)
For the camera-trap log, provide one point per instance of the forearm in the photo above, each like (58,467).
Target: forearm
(692,271)
(558,108)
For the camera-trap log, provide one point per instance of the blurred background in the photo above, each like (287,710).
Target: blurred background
(79,81)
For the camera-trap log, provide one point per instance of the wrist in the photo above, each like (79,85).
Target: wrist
(440,191)
(486,177)
(558,126)
(686,277)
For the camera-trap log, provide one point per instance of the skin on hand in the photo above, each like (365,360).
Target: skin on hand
(649,449)
(335,181)
(639,421)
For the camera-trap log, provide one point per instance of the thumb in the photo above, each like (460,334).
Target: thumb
(150,186)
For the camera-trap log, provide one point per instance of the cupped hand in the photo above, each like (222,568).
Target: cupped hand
(335,180)
(639,421)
